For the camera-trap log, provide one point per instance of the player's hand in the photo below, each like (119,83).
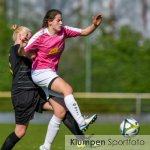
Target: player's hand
(23,40)
(31,55)
(97,20)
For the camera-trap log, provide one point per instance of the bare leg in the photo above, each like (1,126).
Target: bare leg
(61,86)
(53,126)
(14,137)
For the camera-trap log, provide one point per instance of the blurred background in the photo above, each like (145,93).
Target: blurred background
(112,64)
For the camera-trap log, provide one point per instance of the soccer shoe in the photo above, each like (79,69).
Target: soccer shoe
(88,121)
(42,147)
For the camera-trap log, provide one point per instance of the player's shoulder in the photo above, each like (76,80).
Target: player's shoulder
(39,33)
(16,46)
(69,28)
(14,49)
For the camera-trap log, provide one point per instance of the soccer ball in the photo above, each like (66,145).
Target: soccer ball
(129,127)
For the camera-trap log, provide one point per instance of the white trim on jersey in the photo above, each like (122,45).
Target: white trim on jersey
(73,29)
(34,38)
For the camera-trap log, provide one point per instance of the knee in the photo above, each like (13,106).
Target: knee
(20,132)
(68,90)
(60,114)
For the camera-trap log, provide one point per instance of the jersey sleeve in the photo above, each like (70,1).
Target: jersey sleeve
(33,42)
(71,31)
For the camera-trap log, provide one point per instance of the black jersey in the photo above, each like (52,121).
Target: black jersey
(21,71)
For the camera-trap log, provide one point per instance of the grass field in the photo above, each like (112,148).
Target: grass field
(36,133)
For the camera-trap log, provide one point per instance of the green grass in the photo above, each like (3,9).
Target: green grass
(36,134)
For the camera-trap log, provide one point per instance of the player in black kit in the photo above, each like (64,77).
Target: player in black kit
(26,96)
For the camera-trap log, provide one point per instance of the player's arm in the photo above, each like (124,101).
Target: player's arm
(31,55)
(21,51)
(95,23)
(22,41)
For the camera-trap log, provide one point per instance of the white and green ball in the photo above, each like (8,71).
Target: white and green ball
(129,127)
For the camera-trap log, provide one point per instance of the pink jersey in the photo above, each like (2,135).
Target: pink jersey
(49,47)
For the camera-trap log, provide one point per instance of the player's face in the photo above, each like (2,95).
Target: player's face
(25,38)
(57,23)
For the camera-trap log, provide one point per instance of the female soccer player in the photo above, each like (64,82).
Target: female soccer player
(49,43)
(26,96)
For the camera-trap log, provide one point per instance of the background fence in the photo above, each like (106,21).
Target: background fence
(138,97)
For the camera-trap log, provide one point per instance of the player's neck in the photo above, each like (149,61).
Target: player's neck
(51,31)
(17,42)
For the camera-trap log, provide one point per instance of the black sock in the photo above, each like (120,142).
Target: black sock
(10,141)
(72,125)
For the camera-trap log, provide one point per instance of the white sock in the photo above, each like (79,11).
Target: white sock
(53,128)
(73,107)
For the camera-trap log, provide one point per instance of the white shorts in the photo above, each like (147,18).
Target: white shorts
(43,78)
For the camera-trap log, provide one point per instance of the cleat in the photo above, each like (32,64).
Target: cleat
(84,127)
(42,147)
(88,121)
(92,119)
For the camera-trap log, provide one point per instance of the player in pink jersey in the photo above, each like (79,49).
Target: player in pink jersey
(49,43)
(26,96)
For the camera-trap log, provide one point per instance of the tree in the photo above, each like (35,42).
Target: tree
(4,29)
(121,63)
(5,42)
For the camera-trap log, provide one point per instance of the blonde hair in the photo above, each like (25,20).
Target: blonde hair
(19,29)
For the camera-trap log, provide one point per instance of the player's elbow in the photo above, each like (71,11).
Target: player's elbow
(84,33)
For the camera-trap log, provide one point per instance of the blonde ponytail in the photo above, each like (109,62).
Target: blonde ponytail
(14,27)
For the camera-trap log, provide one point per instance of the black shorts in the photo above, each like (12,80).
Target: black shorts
(25,104)
(42,100)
